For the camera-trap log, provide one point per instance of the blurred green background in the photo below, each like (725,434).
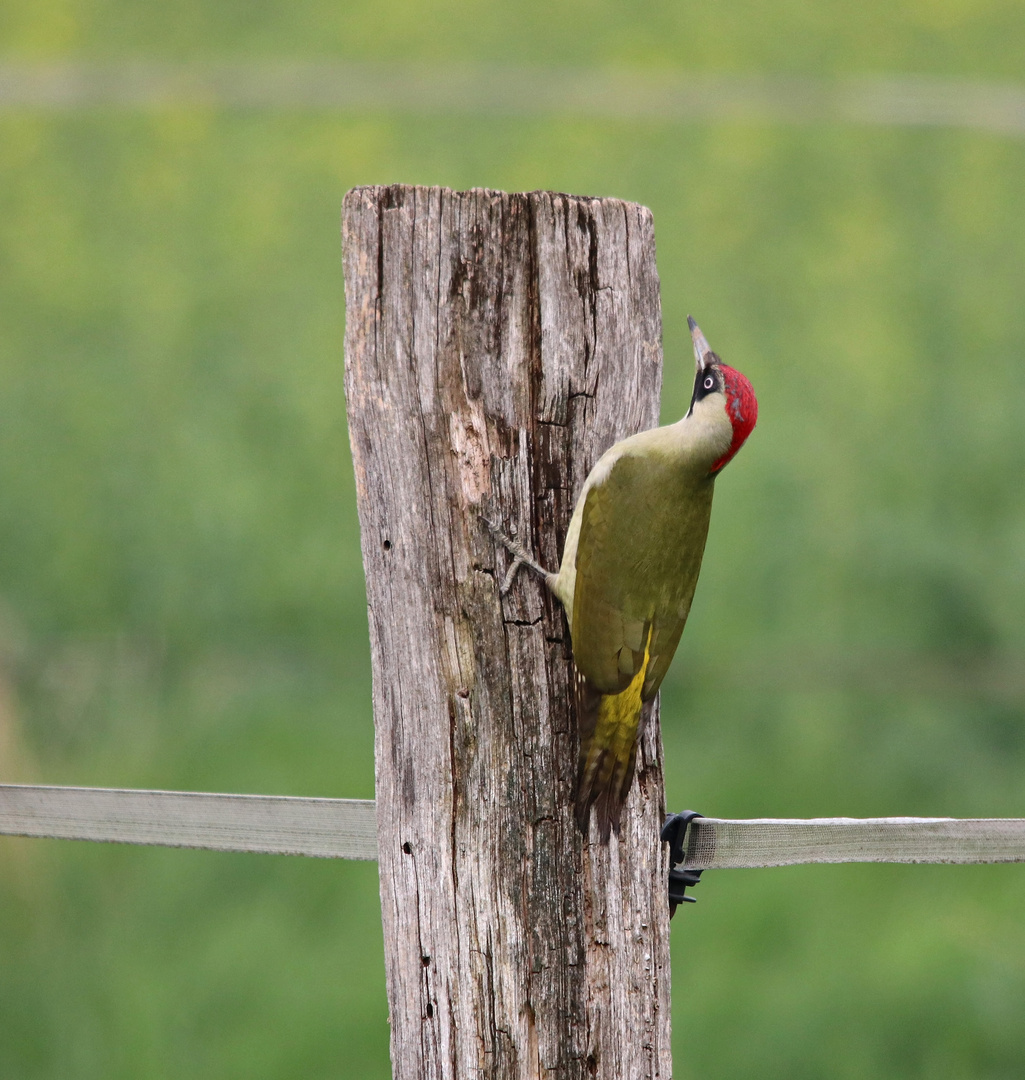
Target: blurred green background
(181,595)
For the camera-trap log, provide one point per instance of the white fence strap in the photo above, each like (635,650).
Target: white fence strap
(347,829)
(906,100)
(271,824)
(716,843)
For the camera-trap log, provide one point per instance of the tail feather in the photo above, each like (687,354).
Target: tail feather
(607,793)
(610,728)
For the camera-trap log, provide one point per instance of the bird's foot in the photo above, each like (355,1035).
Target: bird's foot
(520,557)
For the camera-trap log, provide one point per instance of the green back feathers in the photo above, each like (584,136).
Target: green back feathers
(642,535)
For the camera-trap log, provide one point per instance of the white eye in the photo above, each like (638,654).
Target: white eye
(709,382)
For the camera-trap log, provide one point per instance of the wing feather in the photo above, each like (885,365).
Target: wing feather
(642,535)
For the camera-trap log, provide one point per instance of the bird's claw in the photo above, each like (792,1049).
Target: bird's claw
(509,575)
(494,529)
(510,545)
(518,552)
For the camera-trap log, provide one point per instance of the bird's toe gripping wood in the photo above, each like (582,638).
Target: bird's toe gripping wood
(521,557)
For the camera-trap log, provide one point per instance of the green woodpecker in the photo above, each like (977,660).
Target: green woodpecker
(629,569)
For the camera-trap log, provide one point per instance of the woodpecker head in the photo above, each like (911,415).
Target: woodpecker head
(724,408)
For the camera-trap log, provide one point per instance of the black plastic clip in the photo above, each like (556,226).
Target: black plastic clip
(674,833)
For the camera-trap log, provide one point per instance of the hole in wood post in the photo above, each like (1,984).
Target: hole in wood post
(407,847)
(387,545)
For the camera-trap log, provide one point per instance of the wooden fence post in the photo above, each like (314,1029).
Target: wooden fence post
(495,345)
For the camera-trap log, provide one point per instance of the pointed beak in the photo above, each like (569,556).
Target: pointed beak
(702,350)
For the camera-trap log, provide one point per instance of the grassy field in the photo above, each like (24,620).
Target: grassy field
(181,596)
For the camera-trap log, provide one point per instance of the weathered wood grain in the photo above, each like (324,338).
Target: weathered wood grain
(495,345)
